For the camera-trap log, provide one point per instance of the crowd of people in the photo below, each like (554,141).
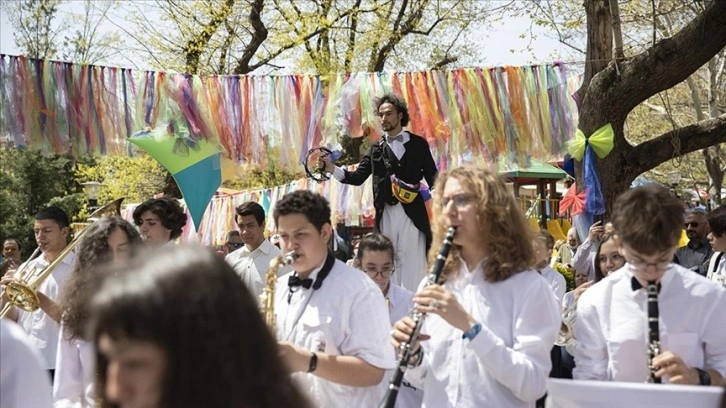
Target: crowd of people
(131,319)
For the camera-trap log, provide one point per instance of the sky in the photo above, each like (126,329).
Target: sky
(498,42)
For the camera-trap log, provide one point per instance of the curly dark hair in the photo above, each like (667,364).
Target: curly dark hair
(313,206)
(92,253)
(190,303)
(168,210)
(398,103)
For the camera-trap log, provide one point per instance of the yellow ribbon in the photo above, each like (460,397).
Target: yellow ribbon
(601,141)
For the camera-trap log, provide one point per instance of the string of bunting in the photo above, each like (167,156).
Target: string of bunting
(266,121)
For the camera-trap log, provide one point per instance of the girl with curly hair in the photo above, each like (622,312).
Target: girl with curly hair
(494,319)
(160,221)
(110,240)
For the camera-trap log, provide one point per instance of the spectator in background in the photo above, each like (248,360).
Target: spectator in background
(567,250)
(584,259)
(543,243)
(11,255)
(234,242)
(717,238)
(696,254)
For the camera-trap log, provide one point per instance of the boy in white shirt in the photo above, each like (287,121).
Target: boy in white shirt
(612,325)
(332,322)
(717,238)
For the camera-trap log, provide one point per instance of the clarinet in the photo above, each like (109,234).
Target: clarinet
(653,331)
(406,351)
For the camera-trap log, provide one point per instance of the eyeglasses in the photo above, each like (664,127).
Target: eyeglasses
(615,258)
(236,245)
(643,266)
(692,224)
(459,200)
(385,273)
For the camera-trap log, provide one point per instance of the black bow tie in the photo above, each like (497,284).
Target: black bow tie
(635,284)
(294,281)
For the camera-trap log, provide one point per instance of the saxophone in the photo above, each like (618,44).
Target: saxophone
(267,299)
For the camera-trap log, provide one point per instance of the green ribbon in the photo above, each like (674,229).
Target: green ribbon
(601,142)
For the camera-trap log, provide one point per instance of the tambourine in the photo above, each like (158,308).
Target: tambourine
(314,165)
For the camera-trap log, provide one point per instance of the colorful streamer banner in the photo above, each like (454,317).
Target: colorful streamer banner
(466,115)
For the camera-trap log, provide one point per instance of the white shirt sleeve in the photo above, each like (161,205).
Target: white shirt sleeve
(23,381)
(339,173)
(559,285)
(68,386)
(528,361)
(591,355)
(581,260)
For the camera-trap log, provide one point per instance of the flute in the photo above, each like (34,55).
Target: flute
(389,400)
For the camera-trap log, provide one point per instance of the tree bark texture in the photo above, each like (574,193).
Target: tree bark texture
(609,94)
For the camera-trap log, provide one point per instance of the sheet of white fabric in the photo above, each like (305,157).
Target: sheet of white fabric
(410,244)
(612,394)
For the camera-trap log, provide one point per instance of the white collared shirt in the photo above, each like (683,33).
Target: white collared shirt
(251,266)
(41,328)
(507,363)
(73,382)
(346,316)
(557,282)
(400,302)
(23,381)
(612,325)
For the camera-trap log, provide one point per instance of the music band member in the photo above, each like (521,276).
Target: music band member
(493,321)
(160,221)
(398,163)
(110,240)
(332,322)
(613,315)
(716,270)
(376,257)
(178,329)
(51,234)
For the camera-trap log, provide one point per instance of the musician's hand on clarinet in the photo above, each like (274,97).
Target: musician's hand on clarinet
(437,300)
(401,332)
(677,371)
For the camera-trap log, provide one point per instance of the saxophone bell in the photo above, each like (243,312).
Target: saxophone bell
(267,299)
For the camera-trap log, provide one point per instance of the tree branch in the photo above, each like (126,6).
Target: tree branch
(666,64)
(259,35)
(701,135)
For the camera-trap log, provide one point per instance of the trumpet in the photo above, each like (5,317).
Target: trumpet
(267,299)
(21,292)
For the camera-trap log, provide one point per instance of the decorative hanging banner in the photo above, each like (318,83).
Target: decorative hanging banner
(468,114)
(585,148)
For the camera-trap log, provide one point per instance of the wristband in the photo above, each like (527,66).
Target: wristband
(313,362)
(475,329)
(704,378)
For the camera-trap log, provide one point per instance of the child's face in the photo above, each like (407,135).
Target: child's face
(717,243)
(541,252)
(298,234)
(610,259)
(580,278)
(378,265)
(647,267)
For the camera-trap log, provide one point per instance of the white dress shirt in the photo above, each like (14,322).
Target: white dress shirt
(717,268)
(395,145)
(400,302)
(346,316)
(557,282)
(23,380)
(612,325)
(73,383)
(252,266)
(43,330)
(507,363)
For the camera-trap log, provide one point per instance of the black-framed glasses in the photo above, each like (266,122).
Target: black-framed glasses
(236,245)
(385,273)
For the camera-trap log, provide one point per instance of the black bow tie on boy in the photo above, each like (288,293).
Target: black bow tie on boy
(295,281)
